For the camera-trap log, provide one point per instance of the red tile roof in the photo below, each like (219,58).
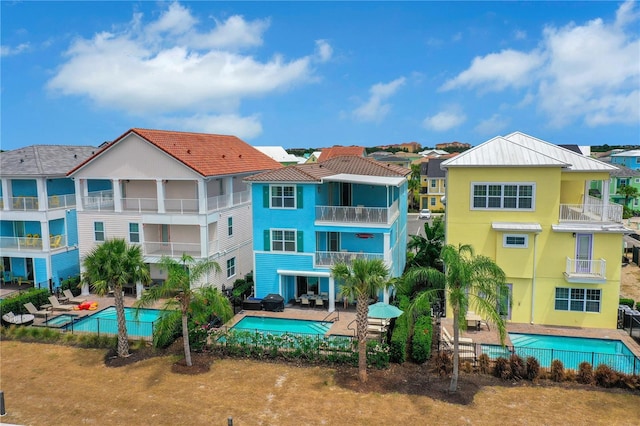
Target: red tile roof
(339,151)
(207,154)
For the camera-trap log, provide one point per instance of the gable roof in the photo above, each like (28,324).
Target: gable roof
(630,153)
(278,153)
(521,150)
(340,151)
(317,172)
(433,168)
(206,154)
(43,160)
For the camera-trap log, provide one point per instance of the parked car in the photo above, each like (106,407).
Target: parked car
(424,214)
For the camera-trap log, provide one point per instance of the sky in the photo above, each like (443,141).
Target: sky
(318,74)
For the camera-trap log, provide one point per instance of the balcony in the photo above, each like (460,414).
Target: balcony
(586,271)
(331,258)
(171,249)
(61,201)
(99,201)
(24,203)
(357,214)
(594,210)
(31,243)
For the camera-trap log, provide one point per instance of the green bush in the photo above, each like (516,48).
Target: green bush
(377,354)
(15,304)
(629,302)
(398,344)
(638,306)
(73,284)
(422,338)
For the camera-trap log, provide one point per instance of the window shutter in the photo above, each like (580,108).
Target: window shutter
(300,241)
(299,197)
(267,240)
(265,196)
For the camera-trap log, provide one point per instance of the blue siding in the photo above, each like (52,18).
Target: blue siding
(267,265)
(40,273)
(94,185)
(18,266)
(6,228)
(72,228)
(64,265)
(24,188)
(56,227)
(63,186)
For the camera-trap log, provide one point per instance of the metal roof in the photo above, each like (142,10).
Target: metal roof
(630,153)
(520,150)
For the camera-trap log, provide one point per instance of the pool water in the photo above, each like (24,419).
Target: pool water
(60,320)
(106,322)
(282,325)
(570,350)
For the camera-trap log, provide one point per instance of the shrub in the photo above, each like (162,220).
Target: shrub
(556,372)
(605,377)
(73,284)
(502,369)
(15,304)
(585,373)
(533,368)
(377,354)
(466,367)
(518,367)
(628,302)
(442,364)
(422,338)
(484,364)
(399,337)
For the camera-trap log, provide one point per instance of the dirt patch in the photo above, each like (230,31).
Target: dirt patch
(630,282)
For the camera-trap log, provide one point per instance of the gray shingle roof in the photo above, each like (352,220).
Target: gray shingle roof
(43,160)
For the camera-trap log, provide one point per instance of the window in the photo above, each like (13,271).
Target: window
(433,201)
(230,226)
(283,197)
(577,299)
(231,267)
(98,231)
(637,180)
(134,233)
(513,196)
(283,240)
(433,183)
(515,241)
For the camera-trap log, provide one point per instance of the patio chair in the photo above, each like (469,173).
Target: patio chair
(319,303)
(73,299)
(445,334)
(35,312)
(304,301)
(55,241)
(57,306)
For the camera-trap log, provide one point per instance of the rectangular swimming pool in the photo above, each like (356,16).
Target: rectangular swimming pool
(570,350)
(105,322)
(59,321)
(282,325)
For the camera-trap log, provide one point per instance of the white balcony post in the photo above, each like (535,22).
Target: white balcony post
(44,228)
(117,195)
(160,195)
(41,186)
(605,200)
(6,194)
(79,193)
(202,196)
(332,294)
(204,250)
(139,290)
(228,189)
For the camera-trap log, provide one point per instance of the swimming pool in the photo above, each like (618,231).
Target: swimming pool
(282,325)
(570,350)
(60,320)
(105,322)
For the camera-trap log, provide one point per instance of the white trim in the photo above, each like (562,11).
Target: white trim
(366,179)
(524,245)
(284,241)
(516,227)
(502,184)
(295,196)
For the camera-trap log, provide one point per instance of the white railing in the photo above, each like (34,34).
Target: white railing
(140,204)
(218,202)
(61,201)
(171,249)
(98,200)
(331,258)
(586,268)
(241,197)
(57,241)
(24,203)
(178,205)
(602,212)
(358,214)
(31,243)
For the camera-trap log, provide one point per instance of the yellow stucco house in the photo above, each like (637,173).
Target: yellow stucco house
(524,203)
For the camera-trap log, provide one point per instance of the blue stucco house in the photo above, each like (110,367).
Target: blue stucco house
(630,159)
(308,217)
(38,222)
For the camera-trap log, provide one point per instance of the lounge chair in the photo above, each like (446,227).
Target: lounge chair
(57,306)
(33,311)
(445,332)
(73,299)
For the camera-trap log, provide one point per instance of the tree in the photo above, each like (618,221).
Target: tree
(427,249)
(360,281)
(414,184)
(179,294)
(108,267)
(468,280)
(628,192)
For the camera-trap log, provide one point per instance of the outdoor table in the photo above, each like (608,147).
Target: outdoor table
(473,320)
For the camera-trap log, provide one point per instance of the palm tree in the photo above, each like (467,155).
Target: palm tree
(468,279)
(360,281)
(628,192)
(180,295)
(414,184)
(108,267)
(427,248)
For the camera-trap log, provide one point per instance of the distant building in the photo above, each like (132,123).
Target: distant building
(342,151)
(630,159)
(456,145)
(279,154)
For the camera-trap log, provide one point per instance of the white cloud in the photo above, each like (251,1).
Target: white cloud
(520,34)
(492,126)
(375,109)
(10,51)
(324,51)
(445,120)
(226,124)
(171,66)
(587,72)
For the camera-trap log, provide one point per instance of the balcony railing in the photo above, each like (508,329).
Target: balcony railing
(331,258)
(61,201)
(357,214)
(24,203)
(177,205)
(140,204)
(171,249)
(99,200)
(601,212)
(586,270)
(30,243)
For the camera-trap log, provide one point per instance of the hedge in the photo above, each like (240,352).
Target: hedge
(422,338)
(628,302)
(15,304)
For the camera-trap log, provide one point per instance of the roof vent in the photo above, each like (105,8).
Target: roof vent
(76,155)
(223,156)
(188,151)
(240,156)
(22,160)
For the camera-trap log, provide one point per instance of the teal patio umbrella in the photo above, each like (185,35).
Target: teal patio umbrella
(384,310)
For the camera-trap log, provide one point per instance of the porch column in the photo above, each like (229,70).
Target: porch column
(202,196)
(6,194)
(605,200)
(85,287)
(332,294)
(117,195)
(79,192)
(228,189)
(160,195)
(385,295)
(204,242)
(44,229)
(41,186)
(139,290)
